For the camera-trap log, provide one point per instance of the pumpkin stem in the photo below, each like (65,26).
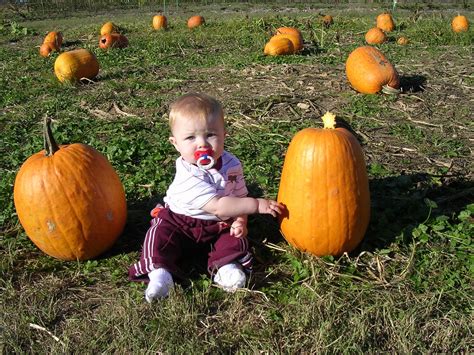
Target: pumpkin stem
(50,145)
(329,120)
(389,90)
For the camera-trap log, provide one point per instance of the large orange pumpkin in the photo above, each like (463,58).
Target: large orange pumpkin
(195,21)
(159,22)
(70,200)
(113,40)
(460,24)
(75,65)
(325,189)
(279,46)
(375,36)
(385,22)
(369,71)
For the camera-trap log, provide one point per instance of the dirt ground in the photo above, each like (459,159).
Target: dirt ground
(431,101)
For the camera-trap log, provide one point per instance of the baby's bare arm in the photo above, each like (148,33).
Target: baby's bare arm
(227,206)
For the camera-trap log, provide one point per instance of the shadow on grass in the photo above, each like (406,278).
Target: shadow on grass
(401,27)
(75,43)
(412,83)
(401,203)
(138,222)
(311,49)
(398,205)
(117,74)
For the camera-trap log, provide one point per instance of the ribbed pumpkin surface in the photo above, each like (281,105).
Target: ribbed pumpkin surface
(195,21)
(113,40)
(72,204)
(460,23)
(296,40)
(324,186)
(75,65)
(292,30)
(385,22)
(55,38)
(375,36)
(159,22)
(108,27)
(368,71)
(279,46)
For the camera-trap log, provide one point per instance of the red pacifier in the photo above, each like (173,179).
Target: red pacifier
(204,158)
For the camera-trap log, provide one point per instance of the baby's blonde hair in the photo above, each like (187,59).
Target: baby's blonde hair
(195,106)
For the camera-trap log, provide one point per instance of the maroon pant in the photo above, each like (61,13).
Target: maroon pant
(170,233)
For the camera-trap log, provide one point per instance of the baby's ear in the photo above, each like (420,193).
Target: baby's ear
(172,140)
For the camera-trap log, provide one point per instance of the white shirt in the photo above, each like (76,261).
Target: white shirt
(193,187)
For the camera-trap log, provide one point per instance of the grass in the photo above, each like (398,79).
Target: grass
(408,286)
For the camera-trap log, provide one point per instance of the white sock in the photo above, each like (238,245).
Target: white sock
(160,284)
(230,277)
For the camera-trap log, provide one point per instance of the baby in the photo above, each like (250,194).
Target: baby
(206,203)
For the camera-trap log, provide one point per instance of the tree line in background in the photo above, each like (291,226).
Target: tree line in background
(34,9)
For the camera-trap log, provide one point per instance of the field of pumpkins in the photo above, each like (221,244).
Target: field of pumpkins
(358,120)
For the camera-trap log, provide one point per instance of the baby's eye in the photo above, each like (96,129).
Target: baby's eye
(210,135)
(189,138)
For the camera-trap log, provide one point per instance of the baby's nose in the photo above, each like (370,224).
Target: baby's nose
(203,144)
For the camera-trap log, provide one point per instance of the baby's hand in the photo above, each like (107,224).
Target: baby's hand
(238,229)
(269,206)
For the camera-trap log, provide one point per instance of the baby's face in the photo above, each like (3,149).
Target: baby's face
(190,135)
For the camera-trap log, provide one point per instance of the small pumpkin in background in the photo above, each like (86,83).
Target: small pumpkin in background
(460,23)
(69,200)
(279,46)
(108,27)
(52,42)
(113,40)
(55,38)
(293,34)
(327,20)
(385,22)
(325,189)
(160,22)
(290,30)
(402,41)
(294,38)
(46,49)
(369,71)
(75,65)
(195,21)
(375,36)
